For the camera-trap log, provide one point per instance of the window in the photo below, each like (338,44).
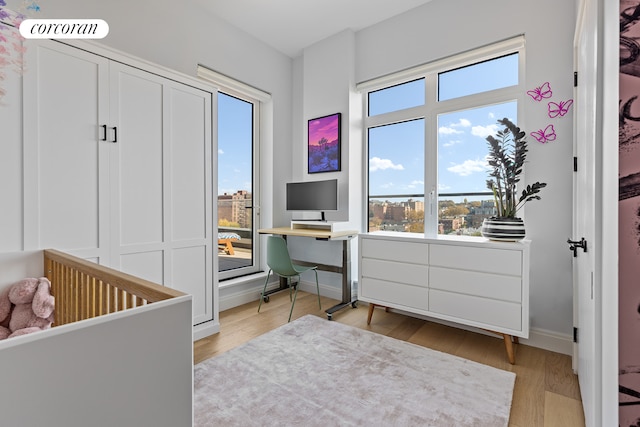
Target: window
(236,231)
(426,146)
(238,132)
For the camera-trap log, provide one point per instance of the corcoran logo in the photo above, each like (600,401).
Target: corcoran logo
(64,28)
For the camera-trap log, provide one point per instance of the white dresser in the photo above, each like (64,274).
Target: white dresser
(466,280)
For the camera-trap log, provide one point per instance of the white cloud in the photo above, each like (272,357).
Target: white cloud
(452,128)
(448,130)
(484,131)
(220,151)
(452,143)
(468,167)
(376,163)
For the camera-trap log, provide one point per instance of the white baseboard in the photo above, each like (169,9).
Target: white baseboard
(325,290)
(204,330)
(549,340)
(540,338)
(247,295)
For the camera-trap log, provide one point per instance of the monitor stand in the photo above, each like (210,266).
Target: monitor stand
(322,218)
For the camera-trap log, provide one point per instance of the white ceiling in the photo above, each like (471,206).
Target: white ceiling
(291,25)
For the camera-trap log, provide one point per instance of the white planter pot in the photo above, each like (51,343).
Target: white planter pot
(503,229)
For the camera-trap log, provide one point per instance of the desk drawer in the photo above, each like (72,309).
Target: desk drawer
(394,293)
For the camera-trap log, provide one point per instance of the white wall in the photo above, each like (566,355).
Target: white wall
(442,28)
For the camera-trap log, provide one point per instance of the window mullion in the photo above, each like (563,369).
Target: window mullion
(431,157)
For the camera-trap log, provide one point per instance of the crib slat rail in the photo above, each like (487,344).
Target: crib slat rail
(84,290)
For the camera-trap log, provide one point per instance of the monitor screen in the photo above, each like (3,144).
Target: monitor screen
(312,195)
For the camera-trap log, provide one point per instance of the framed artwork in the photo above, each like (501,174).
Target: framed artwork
(324,144)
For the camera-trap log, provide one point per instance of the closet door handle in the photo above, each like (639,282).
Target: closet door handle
(104,133)
(115,134)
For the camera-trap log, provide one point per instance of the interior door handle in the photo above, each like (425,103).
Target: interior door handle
(575,244)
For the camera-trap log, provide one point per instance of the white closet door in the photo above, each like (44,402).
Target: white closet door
(65,170)
(161,177)
(11,175)
(137,171)
(188,134)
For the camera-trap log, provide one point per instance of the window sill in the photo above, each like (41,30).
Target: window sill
(261,275)
(438,238)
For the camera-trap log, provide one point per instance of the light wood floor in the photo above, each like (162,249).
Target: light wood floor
(546,392)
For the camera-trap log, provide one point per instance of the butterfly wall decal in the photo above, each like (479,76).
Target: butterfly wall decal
(541,92)
(559,109)
(545,135)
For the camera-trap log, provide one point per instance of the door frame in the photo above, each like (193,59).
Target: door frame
(603,60)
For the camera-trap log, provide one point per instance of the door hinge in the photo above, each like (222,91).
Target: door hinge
(575,334)
(575,164)
(575,79)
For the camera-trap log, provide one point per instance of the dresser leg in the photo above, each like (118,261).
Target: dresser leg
(509,347)
(371,307)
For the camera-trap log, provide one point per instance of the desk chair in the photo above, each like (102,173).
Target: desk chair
(280,263)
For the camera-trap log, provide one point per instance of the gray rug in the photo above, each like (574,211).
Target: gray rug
(313,372)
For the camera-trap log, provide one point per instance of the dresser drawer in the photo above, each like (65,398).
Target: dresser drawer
(489,260)
(396,294)
(499,287)
(391,250)
(490,314)
(391,271)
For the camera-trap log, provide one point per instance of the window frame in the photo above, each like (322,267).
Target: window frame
(433,108)
(234,88)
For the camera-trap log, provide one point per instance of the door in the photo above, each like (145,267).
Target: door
(585,359)
(66,153)
(162,220)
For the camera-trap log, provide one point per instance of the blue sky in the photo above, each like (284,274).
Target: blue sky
(396,152)
(234,144)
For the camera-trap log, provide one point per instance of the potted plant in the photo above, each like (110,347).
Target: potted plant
(507,154)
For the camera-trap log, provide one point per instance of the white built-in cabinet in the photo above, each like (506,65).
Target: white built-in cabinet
(468,281)
(118,160)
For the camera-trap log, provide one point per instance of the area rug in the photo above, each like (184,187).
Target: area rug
(315,372)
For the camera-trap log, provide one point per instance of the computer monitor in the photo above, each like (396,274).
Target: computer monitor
(317,196)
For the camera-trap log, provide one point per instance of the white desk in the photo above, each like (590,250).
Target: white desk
(345,269)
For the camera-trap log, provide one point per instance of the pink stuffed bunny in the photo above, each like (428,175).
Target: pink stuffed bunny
(26,307)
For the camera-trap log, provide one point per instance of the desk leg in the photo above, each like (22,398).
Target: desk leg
(347,298)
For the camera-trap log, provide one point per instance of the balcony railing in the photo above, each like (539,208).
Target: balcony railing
(405,212)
